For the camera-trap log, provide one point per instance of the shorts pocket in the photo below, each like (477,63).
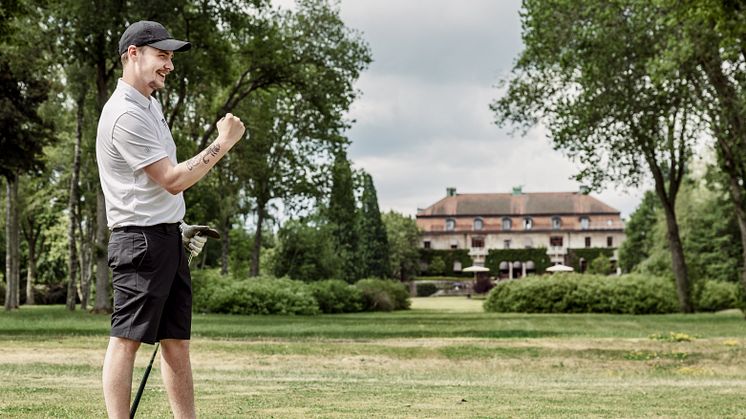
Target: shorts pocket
(139,249)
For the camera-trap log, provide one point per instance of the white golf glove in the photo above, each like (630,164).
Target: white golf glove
(192,238)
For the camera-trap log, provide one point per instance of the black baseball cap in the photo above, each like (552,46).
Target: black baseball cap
(146,32)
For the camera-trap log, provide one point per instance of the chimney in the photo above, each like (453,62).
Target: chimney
(451,191)
(517,190)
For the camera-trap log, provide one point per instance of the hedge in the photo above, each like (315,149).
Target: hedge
(584,293)
(589,254)
(214,293)
(719,295)
(449,256)
(337,296)
(383,294)
(537,255)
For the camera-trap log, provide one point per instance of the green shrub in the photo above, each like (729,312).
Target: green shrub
(204,283)
(260,296)
(337,296)
(426,289)
(718,295)
(576,293)
(383,294)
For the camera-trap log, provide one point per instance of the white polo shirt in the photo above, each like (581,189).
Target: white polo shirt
(132,134)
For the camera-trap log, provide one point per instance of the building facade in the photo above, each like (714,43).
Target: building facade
(557,221)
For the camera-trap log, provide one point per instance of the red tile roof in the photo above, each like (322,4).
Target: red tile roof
(544,203)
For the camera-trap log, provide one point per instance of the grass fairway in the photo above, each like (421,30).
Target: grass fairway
(443,358)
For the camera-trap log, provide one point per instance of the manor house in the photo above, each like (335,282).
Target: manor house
(557,221)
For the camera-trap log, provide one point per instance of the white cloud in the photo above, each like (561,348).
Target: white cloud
(423,121)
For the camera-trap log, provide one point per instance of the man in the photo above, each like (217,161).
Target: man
(143,184)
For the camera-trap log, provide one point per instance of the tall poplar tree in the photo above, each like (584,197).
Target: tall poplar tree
(374,243)
(342,217)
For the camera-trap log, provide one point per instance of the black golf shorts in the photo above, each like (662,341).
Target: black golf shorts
(152,285)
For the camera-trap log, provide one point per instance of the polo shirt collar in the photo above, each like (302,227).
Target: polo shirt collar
(133,94)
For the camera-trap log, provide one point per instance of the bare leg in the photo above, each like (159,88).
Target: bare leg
(176,370)
(117,376)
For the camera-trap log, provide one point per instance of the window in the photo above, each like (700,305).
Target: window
(528,223)
(450,224)
(507,224)
(506,244)
(587,242)
(555,241)
(556,223)
(609,241)
(585,222)
(477,242)
(454,246)
(426,244)
(478,224)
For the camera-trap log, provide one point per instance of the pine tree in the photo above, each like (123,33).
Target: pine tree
(374,243)
(341,215)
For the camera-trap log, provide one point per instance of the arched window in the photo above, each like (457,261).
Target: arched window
(478,224)
(450,224)
(556,223)
(507,224)
(585,223)
(528,223)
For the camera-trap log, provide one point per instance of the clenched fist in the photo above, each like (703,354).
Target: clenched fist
(231,128)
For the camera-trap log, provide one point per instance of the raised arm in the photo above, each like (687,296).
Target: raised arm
(181,177)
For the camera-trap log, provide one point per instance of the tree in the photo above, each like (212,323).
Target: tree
(39,211)
(291,77)
(24,88)
(601,265)
(705,42)
(404,238)
(341,215)
(639,233)
(709,234)
(374,243)
(585,74)
(306,251)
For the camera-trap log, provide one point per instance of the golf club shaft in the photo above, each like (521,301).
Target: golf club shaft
(143,382)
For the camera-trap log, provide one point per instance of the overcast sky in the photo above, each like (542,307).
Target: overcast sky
(423,119)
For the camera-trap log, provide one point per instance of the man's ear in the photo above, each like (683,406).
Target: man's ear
(132,51)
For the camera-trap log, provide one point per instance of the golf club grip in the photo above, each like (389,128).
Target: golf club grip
(140,390)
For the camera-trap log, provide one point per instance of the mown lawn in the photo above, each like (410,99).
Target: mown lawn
(443,358)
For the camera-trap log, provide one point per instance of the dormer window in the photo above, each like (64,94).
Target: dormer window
(507,224)
(478,224)
(528,223)
(556,223)
(450,224)
(585,223)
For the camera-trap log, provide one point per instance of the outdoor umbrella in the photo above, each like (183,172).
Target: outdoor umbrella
(560,268)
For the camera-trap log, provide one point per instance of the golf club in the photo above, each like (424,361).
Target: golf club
(197,230)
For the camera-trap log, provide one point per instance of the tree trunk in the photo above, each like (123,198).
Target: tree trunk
(72,205)
(225,244)
(31,274)
(256,251)
(680,272)
(100,252)
(11,244)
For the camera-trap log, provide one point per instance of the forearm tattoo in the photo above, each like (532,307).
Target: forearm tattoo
(203,157)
